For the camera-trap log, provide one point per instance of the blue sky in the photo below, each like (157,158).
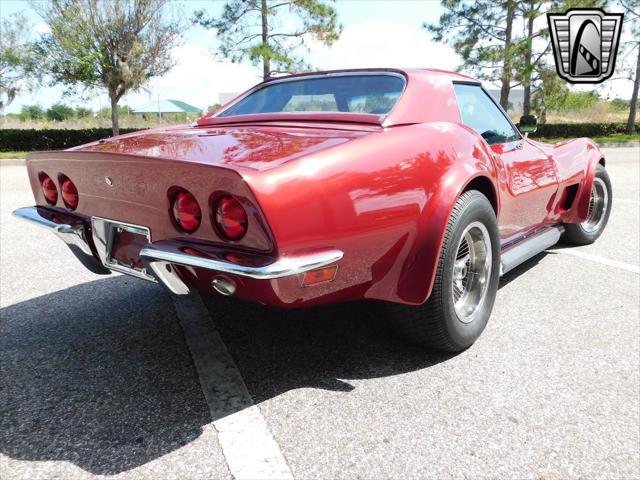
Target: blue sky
(377,33)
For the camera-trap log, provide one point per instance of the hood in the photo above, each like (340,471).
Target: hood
(257,147)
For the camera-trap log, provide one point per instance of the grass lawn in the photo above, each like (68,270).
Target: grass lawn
(12,155)
(619,138)
(615,138)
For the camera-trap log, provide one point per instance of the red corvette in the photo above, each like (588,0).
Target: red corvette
(408,186)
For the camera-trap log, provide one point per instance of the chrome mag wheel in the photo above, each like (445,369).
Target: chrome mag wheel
(598,203)
(471,271)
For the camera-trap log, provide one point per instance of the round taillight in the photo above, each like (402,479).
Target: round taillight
(186,211)
(230,218)
(69,193)
(49,189)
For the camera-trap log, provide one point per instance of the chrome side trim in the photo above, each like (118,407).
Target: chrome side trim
(74,236)
(529,248)
(282,267)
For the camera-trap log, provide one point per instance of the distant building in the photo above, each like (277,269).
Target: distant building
(166,106)
(516,99)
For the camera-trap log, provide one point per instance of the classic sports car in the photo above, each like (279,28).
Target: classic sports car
(408,186)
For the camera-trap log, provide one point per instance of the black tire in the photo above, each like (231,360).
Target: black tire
(436,324)
(581,233)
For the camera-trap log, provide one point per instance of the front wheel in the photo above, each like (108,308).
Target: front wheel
(598,214)
(465,285)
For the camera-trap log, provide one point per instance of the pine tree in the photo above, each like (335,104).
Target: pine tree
(251,29)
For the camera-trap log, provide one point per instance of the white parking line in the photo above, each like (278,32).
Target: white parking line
(604,261)
(249,448)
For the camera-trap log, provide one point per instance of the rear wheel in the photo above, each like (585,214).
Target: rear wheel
(465,285)
(598,215)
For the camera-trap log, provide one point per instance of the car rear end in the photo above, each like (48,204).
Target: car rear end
(184,224)
(189,207)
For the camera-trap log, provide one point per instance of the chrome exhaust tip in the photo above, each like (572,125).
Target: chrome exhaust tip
(223,285)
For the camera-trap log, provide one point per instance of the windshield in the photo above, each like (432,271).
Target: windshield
(369,93)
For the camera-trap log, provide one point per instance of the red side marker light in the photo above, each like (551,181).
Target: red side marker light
(320,275)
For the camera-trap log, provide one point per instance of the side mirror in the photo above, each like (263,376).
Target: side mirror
(528,124)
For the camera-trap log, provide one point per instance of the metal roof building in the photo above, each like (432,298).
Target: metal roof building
(166,106)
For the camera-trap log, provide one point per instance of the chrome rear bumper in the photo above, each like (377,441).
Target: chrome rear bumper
(69,229)
(161,258)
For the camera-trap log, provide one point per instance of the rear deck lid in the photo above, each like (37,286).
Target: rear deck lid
(257,147)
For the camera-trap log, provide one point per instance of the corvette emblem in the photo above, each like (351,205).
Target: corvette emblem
(109,181)
(585,43)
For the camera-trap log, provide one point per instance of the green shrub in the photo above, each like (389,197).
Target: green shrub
(51,139)
(567,101)
(105,112)
(31,112)
(577,101)
(82,112)
(59,112)
(621,105)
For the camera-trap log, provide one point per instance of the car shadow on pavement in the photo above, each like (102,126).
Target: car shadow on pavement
(322,347)
(99,374)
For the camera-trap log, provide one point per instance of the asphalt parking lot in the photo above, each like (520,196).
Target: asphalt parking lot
(104,376)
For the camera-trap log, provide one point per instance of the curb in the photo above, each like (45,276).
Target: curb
(11,162)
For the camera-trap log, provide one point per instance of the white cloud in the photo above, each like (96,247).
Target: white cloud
(197,79)
(42,28)
(383,44)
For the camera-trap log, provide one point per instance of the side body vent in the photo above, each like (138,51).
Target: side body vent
(569,196)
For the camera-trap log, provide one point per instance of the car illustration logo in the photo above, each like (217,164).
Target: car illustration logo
(109,181)
(585,43)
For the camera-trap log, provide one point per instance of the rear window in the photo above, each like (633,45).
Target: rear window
(375,94)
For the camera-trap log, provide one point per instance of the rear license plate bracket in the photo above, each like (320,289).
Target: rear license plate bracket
(119,246)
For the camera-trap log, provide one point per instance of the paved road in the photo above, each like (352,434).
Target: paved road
(109,376)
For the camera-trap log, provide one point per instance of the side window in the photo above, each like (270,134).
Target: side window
(480,113)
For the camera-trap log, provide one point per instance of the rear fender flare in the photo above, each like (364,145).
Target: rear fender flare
(416,284)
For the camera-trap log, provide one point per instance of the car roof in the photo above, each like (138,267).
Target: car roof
(408,72)
(428,97)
